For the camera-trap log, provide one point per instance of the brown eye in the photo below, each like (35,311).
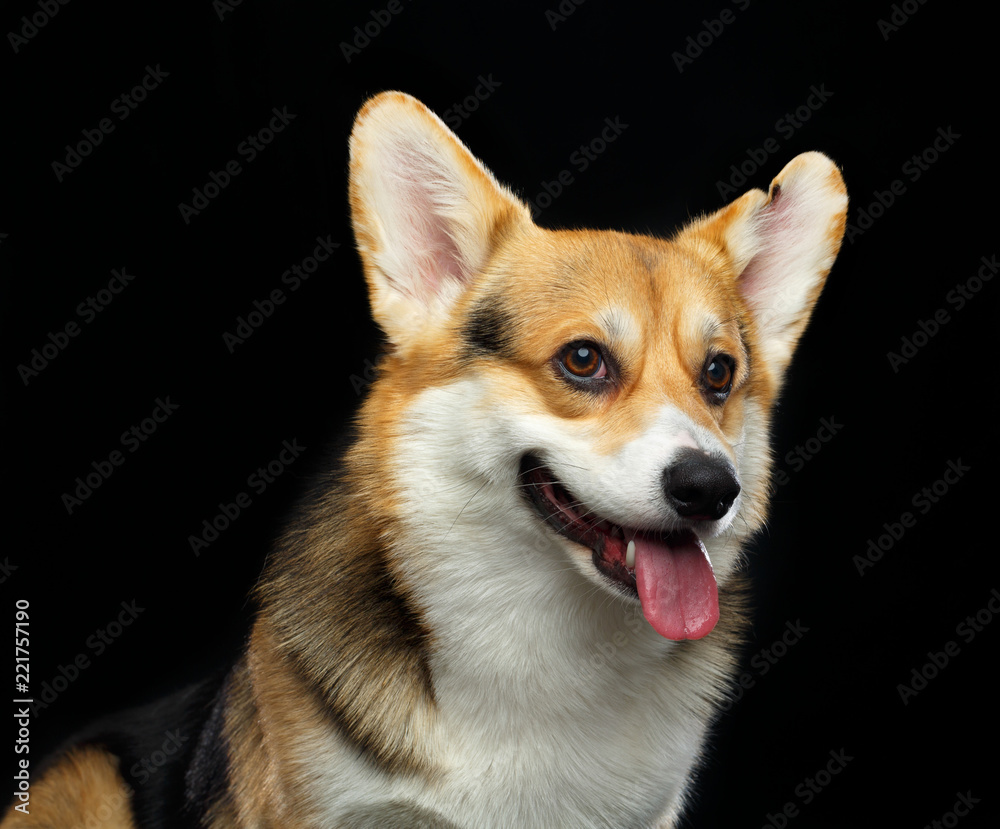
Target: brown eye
(718,374)
(583,359)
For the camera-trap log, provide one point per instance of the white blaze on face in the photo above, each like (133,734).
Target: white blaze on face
(626,486)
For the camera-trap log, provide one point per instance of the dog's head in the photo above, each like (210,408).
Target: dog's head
(616,387)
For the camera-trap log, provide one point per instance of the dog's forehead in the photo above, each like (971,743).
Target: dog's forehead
(623,286)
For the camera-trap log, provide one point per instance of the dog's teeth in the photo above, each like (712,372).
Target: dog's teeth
(630,555)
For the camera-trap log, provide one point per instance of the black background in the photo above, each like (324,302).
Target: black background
(889,94)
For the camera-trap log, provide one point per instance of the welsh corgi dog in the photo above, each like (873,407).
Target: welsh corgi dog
(516,602)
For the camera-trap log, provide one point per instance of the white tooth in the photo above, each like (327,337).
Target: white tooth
(630,555)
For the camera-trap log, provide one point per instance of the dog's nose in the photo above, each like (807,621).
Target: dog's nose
(699,486)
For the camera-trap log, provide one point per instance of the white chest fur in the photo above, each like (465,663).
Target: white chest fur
(557,704)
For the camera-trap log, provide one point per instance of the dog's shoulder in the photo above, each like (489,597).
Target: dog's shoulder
(157,765)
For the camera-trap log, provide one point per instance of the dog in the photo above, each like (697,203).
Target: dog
(517,600)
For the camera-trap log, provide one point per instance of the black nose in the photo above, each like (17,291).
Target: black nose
(700,486)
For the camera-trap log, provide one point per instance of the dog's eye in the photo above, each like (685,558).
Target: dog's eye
(718,374)
(583,359)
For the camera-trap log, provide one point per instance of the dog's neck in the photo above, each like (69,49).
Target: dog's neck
(453,629)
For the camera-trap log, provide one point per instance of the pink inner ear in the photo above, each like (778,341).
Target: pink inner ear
(422,226)
(779,230)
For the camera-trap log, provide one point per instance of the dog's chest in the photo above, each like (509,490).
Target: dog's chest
(597,742)
(583,743)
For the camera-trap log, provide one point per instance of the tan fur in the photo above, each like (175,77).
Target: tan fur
(83,790)
(311,645)
(672,298)
(366,614)
(291,685)
(670,302)
(483,229)
(340,654)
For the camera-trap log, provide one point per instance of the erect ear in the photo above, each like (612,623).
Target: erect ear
(783,244)
(426,213)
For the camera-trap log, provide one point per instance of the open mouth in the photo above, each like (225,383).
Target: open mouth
(668,572)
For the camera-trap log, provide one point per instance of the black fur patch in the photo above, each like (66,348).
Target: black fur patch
(157,744)
(207,775)
(395,635)
(489,331)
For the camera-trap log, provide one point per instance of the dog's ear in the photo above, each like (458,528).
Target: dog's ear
(426,213)
(782,245)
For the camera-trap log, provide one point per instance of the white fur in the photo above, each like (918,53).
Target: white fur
(558,703)
(788,249)
(429,221)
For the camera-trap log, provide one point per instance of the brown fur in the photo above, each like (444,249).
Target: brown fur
(340,650)
(376,692)
(83,790)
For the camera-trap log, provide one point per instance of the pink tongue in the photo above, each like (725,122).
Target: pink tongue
(677,588)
